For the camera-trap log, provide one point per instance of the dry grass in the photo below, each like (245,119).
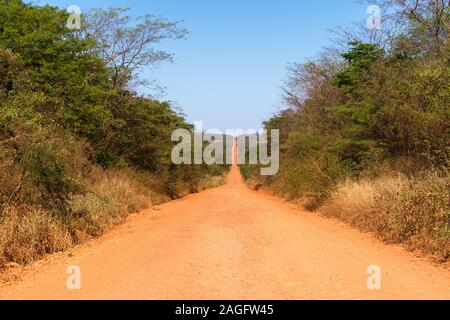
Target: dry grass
(410,211)
(210,182)
(180,189)
(28,233)
(253,184)
(111,197)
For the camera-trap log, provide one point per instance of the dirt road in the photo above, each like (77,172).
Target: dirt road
(232,243)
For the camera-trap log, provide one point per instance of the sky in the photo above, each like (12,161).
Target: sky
(229,71)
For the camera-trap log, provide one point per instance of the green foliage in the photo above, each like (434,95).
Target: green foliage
(145,132)
(359,58)
(69,117)
(346,118)
(60,65)
(369,141)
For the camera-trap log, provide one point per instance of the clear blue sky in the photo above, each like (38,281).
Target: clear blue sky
(229,71)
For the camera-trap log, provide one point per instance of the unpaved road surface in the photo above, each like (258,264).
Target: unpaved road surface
(232,243)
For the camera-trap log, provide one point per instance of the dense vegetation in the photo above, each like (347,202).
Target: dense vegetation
(366,129)
(79,148)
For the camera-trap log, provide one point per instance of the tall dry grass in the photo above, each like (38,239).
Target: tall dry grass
(111,196)
(27,232)
(411,211)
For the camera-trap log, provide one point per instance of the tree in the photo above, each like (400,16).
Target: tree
(359,58)
(426,22)
(128,44)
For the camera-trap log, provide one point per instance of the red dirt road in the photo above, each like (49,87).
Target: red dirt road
(232,243)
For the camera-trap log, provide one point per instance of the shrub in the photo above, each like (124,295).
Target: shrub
(92,215)
(411,211)
(66,109)
(27,233)
(111,197)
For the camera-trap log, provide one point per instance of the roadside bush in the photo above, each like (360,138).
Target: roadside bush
(410,211)
(183,180)
(48,161)
(111,196)
(27,233)
(79,148)
(91,215)
(10,177)
(374,112)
